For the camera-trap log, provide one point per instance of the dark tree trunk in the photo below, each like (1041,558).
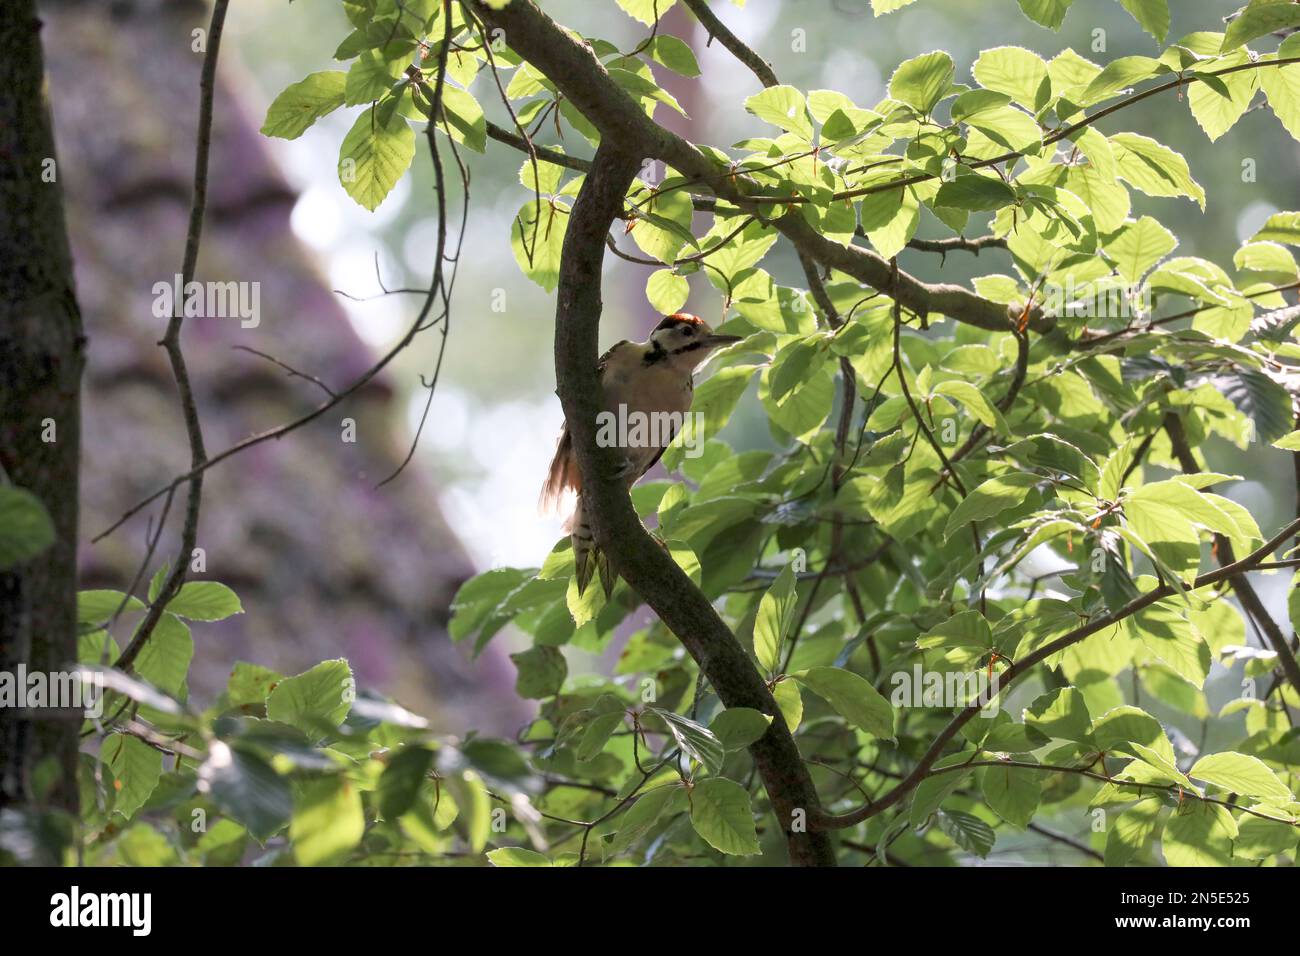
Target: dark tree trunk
(41,347)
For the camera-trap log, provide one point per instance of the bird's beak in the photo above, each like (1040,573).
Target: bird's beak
(716,341)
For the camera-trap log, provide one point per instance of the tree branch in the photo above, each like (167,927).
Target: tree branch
(650,571)
(957,244)
(735,46)
(580,77)
(1241,585)
(171,343)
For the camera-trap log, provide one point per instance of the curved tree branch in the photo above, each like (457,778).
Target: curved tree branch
(735,46)
(649,569)
(580,77)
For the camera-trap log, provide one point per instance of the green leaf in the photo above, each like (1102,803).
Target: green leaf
(1199,834)
(164,661)
(1048,13)
(881,7)
(1290,443)
(137,768)
(1241,774)
(474,818)
(96,607)
(1259,398)
(399,784)
(991,114)
(663,227)
(667,291)
(1151,15)
(607,715)
(721,814)
(1259,19)
(696,740)
(250,684)
(922,81)
(1012,793)
(1060,713)
(1119,75)
(991,499)
(975,403)
(1019,73)
(1121,726)
(1130,832)
(542,671)
(643,10)
(794,364)
(205,601)
(853,698)
(370,77)
(645,89)
(738,727)
(790,702)
(1260,839)
(641,817)
(1283,227)
(801,412)
(328,821)
(1215,112)
(1139,246)
(715,400)
(1154,169)
(464,117)
(320,696)
(510,856)
(784,107)
(1268,258)
(301,104)
(775,614)
(976,193)
(1156,764)
(674,54)
(245,788)
(374,156)
(1171,638)
(25,526)
(547,178)
(1282,87)
(1161,515)
(890,219)
(536,238)
(967,830)
(964,629)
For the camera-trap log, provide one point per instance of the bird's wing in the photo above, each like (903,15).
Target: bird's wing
(604,359)
(563,474)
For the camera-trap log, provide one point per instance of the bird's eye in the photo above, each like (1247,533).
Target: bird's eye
(688,331)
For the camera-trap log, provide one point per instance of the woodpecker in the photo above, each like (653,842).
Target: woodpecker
(651,381)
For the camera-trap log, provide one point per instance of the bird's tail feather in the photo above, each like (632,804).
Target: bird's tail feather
(587,556)
(562,477)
